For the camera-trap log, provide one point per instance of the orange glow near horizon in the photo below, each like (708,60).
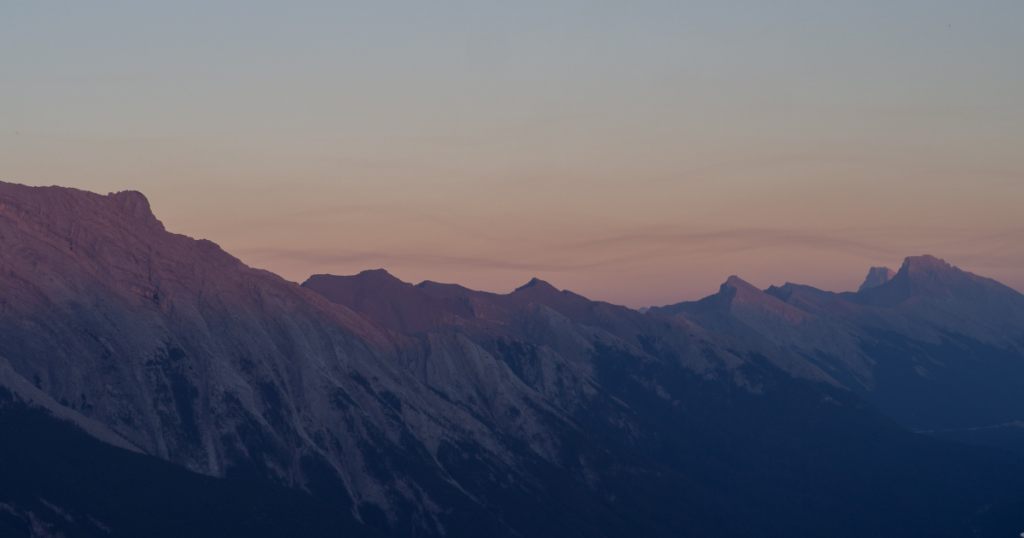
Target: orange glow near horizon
(635,154)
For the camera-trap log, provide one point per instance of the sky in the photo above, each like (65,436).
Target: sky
(632,152)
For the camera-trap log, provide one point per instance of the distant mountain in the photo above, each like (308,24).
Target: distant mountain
(517,328)
(876,277)
(397,305)
(152,384)
(936,348)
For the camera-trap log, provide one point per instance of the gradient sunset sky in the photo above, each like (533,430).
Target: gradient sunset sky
(634,152)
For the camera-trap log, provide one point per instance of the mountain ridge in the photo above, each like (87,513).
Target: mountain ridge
(930,331)
(442,411)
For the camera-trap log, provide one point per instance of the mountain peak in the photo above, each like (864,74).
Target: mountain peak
(386,299)
(737,282)
(537,283)
(378,274)
(370,277)
(744,291)
(928,276)
(61,209)
(738,291)
(136,204)
(876,277)
(925,263)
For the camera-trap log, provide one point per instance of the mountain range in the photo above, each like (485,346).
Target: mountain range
(153,384)
(933,347)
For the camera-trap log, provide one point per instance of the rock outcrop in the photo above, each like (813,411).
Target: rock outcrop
(876,277)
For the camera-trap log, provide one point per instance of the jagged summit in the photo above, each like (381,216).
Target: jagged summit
(745,292)
(737,290)
(876,277)
(933,278)
(925,262)
(136,204)
(736,281)
(61,209)
(396,304)
(926,267)
(537,283)
(736,293)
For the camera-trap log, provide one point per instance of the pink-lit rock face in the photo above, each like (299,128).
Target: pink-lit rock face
(876,277)
(563,321)
(161,343)
(748,300)
(140,328)
(928,297)
(930,327)
(427,399)
(173,346)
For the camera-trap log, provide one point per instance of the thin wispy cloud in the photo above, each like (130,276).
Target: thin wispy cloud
(1001,249)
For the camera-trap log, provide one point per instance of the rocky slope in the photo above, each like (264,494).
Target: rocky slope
(436,410)
(937,348)
(182,352)
(705,374)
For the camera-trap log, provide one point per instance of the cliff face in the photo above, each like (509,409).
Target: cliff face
(876,277)
(174,347)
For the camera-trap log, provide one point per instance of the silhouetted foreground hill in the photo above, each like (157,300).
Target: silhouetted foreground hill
(153,384)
